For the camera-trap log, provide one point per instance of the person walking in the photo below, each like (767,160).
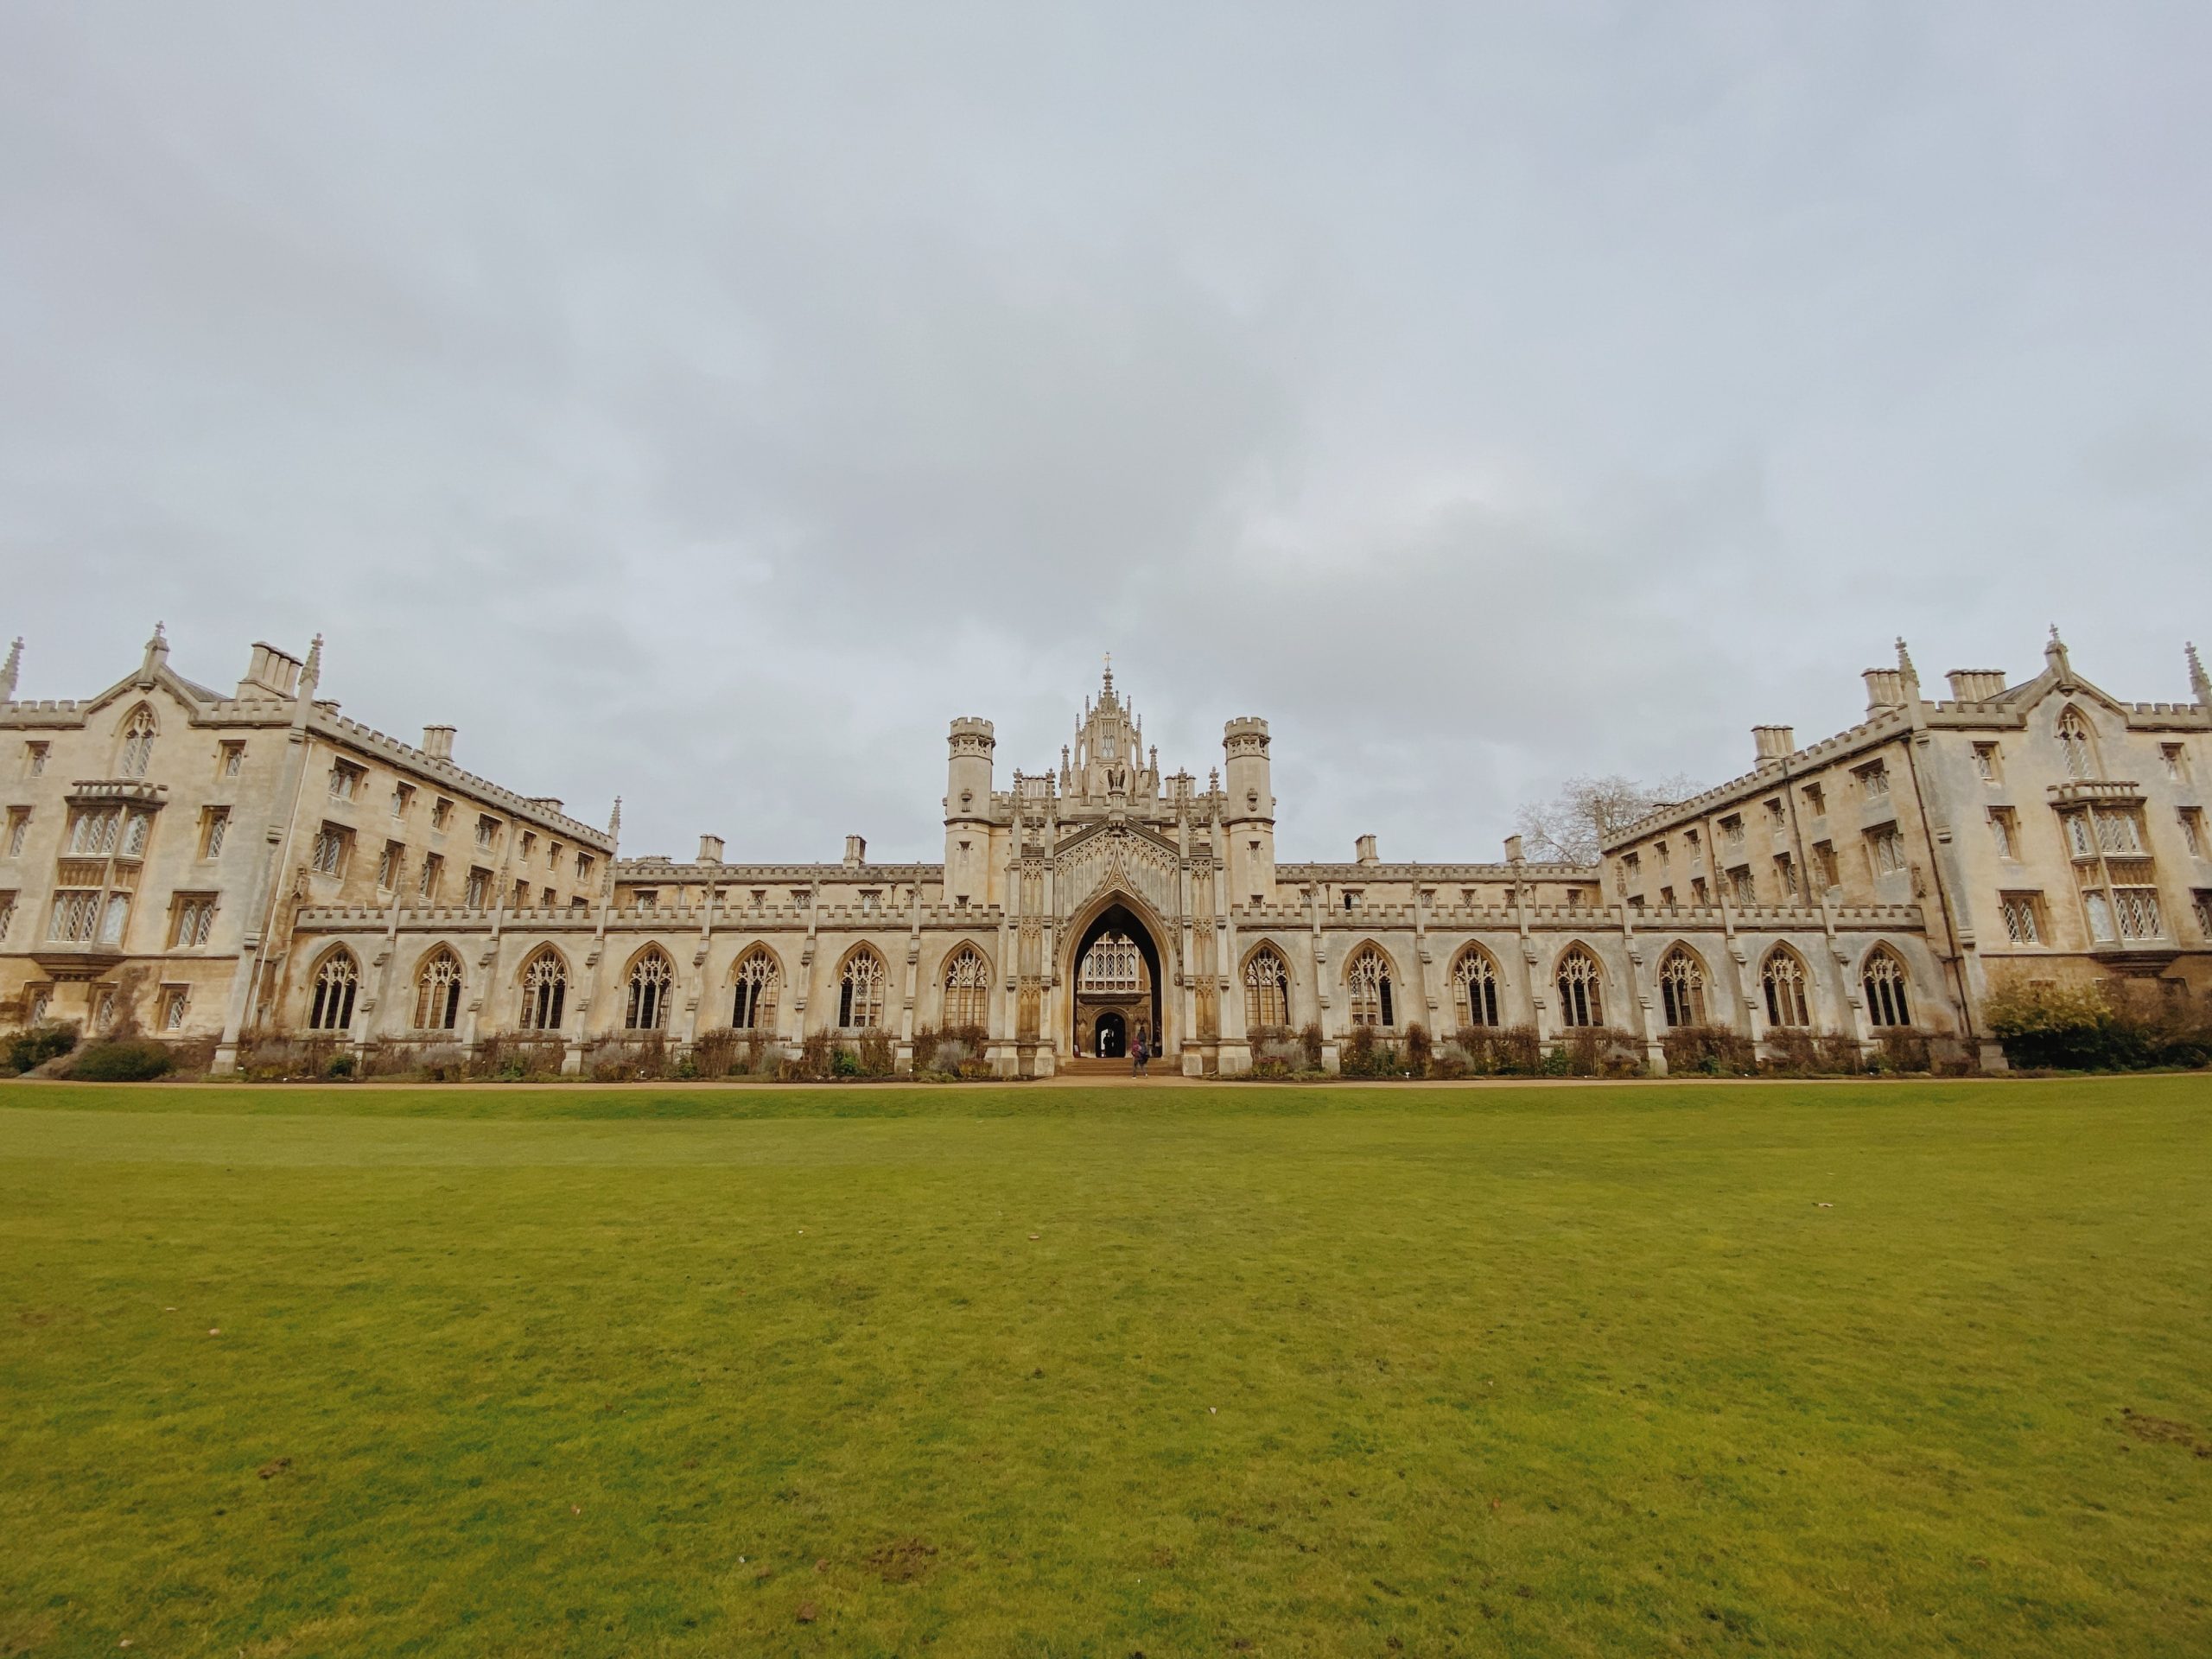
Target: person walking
(1138,1055)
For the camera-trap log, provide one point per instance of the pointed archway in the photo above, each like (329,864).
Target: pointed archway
(1126,983)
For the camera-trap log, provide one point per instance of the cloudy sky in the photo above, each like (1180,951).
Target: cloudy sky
(708,403)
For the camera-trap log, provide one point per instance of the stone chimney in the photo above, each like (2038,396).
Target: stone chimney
(1774,743)
(270,672)
(437,742)
(710,849)
(1363,849)
(1884,689)
(1976,684)
(1513,849)
(855,851)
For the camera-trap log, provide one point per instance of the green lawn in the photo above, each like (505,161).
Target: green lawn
(1835,1369)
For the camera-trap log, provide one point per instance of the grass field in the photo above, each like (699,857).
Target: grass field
(1839,1369)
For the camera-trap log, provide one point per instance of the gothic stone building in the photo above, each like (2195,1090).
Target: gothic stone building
(229,866)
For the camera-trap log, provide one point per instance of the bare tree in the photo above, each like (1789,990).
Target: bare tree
(1571,825)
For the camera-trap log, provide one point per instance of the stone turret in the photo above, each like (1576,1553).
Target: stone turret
(1249,816)
(968,811)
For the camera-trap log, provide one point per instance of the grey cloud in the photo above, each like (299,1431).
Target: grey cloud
(706,404)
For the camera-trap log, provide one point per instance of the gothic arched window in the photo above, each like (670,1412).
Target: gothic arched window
(544,991)
(1580,982)
(967,989)
(860,991)
(335,983)
(1783,977)
(1682,987)
(137,750)
(1267,989)
(1884,979)
(758,982)
(651,976)
(1367,977)
(2078,744)
(1474,987)
(437,991)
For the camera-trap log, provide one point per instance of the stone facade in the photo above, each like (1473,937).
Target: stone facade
(233,867)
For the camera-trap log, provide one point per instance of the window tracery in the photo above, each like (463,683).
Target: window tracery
(1581,1001)
(1782,978)
(649,979)
(1474,987)
(335,984)
(1886,1001)
(1110,967)
(758,984)
(860,991)
(1367,977)
(1267,989)
(138,751)
(544,991)
(437,992)
(1682,987)
(2078,744)
(967,987)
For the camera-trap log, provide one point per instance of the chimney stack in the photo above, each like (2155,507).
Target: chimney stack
(437,742)
(1363,849)
(855,851)
(1884,689)
(1976,684)
(270,671)
(1513,849)
(710,849)
(1774,742)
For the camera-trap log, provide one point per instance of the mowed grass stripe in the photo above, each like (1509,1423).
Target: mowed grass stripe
(1547,1370)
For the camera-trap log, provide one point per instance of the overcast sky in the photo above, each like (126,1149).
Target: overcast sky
(708,403)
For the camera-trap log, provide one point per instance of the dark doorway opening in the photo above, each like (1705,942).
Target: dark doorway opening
(1113,1036)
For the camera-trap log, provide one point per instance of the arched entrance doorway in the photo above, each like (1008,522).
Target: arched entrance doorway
(1116,976)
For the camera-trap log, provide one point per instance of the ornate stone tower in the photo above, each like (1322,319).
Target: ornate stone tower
(968,812)
(1248,819)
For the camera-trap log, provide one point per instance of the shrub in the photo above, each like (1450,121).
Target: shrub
(1902,1048)
(1279,1051)
(1599,1051)
(122,1059)
(1418,1050)
(1502,1050)
(279,1059)
(1792,1051)
(878,1057)
(1708,1051)
(518,1059)
(1840,1055)
(34,1047)
(1310,1040)
(628,1059)
(2117,1027)
(1364,1054)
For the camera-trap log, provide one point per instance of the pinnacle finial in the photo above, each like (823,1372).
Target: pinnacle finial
(157,651)
(1110,677)
(14,666)
(2055,654)
(2198,682)
(614,818)
(311,670)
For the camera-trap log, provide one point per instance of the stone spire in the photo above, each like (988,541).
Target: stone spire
(1908,676)
(2199,686)
(157,653)
(614,819)
(1107,696)
(14,666)
(311,671)
(2055,655)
